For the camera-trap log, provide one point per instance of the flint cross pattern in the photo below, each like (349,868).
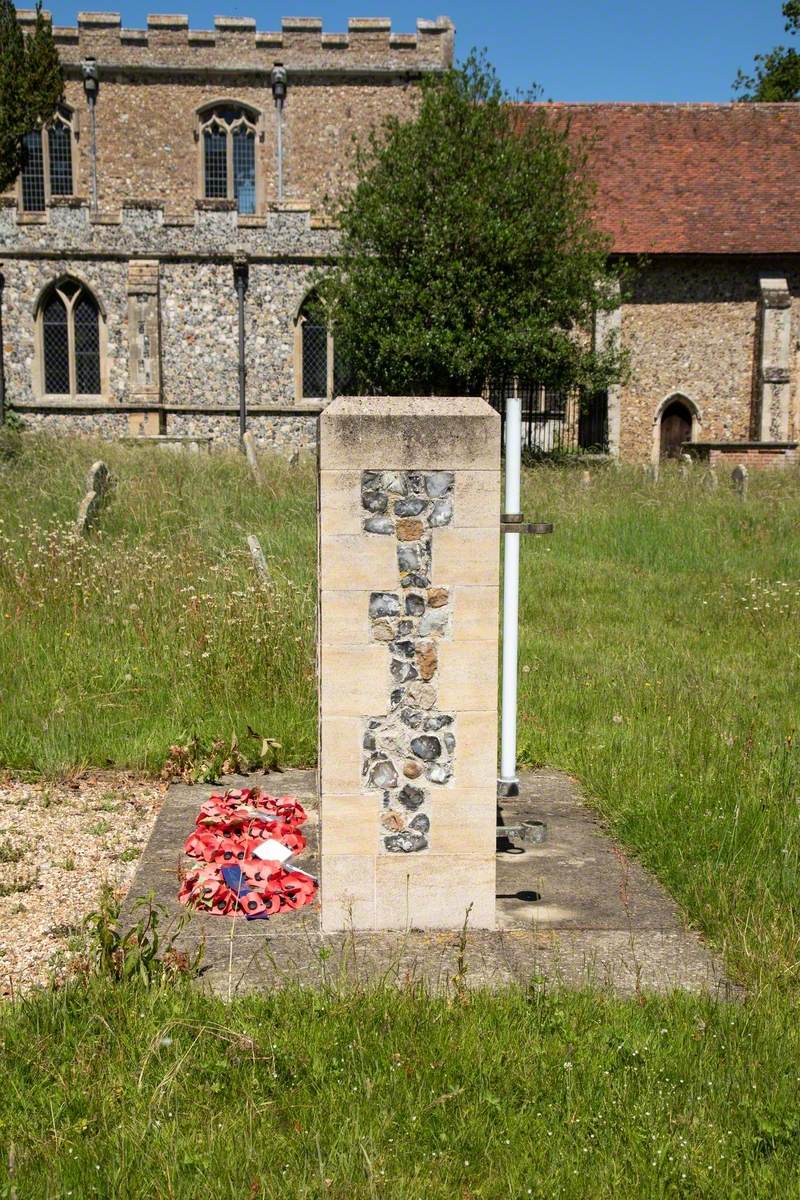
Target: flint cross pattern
(409,750)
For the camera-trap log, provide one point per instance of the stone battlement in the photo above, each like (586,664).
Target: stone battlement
(169,45)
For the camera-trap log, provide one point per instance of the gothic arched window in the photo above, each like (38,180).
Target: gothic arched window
(228,141)
(70,328)
(321,369)
(47,162)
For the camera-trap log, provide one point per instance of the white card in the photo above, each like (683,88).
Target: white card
(273,851)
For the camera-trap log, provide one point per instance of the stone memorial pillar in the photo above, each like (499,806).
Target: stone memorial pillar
(408,640)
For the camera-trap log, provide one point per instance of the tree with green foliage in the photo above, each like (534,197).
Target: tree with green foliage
(31,85)
(776,75)
(468,250)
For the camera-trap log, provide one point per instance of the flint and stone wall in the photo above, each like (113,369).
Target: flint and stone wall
(700,328)
(408,639)
(168,285)
(159,257)
(153,81)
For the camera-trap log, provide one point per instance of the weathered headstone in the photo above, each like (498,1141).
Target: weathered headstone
(98,485)
(586,479)
(408,638)
(252,457)
(739,480)
(257,555)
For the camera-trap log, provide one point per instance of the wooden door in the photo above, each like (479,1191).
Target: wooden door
(676,428)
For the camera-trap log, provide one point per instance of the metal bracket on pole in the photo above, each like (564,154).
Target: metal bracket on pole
(516,523)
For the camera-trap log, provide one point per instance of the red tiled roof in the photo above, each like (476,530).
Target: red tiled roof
(693,178)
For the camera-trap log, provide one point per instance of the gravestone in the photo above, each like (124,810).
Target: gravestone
(739,480)
(258,559)
(252,457)
(408,639)
(98,485)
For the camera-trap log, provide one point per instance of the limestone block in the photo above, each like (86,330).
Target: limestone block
(468,676)
(340,744)
(145,424)
(347,891)
(469,556)
(478,614)
(351,680)
(476,762)
(340,508)
(434,892)
(350,826)
(422,432)
(344,617)
(477,500)
(463,823)
(355,563)
(776,329)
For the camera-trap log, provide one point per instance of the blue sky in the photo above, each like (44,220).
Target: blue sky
(575,49)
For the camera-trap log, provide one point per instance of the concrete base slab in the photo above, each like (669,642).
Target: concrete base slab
(573,910)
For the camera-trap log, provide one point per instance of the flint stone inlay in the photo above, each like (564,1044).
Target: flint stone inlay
(383,525)
(410,504)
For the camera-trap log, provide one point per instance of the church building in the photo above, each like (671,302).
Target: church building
(159,250)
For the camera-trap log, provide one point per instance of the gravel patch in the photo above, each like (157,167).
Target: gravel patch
(59,843)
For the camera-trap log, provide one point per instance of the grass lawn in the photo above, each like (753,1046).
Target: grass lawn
(659,665)
(114,1091)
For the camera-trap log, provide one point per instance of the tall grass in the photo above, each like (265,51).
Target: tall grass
(154,629)
(115,1091)
(660,660)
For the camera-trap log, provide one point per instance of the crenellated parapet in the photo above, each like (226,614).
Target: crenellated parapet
(143,228)
(168,44)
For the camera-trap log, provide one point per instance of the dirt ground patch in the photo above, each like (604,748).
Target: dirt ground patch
(59,843)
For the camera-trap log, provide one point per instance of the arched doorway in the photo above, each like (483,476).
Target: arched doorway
(676,428)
